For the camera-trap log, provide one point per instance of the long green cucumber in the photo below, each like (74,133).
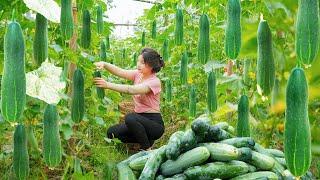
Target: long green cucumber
(52,151)
(13,81)
(297,135)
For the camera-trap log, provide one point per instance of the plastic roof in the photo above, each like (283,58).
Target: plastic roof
(126,12)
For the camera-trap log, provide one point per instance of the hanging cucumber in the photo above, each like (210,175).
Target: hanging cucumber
(184,69)
(52,151)
(265,63)
(13,81)
(233,29)
(99,19)
(243,125)
(40,43)
(77,106)
(86,30)
(178,32)
(204,39)
(297,136)
(307,31)
(212,94)
(66,19)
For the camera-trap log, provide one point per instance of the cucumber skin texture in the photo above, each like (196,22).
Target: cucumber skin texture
(223,170)
(20,153)
(165,50)
(52,151)
(152,165)
(212,95)
(204,39)
(86,29)
(66,19)
(190,158)
(261,161)
(233,29)
(124,172)
(168,90)
(77,106)
(179,27)
(257,175)
(103,55)
(184,69)
(40,43)
(297,136)
(107,42)
(243,125)
(222,152)
(13,82)
(240,142)
(154,29)
(139,163)
(100,91)
(307,31)
(143,39)
(192,101)
(172,150)
(265,63)
(99,19)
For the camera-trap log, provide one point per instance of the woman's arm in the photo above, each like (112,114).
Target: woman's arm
(126,74)
(123,88)
(129,89)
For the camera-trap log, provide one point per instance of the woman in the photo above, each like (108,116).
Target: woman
(144,125)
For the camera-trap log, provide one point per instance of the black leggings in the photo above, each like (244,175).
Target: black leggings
(142,128)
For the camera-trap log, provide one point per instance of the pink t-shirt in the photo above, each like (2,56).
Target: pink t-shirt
(151,100)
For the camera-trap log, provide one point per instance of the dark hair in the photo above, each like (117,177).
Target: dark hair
(153,59)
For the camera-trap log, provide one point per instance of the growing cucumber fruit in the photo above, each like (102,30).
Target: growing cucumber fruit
(103,55)
(52,151)
(212,94)
(66,19)
(77,106)
(13,81)
(143,39)
(307,31)
(204,39)
(297,136)
(99,19)
(165,50)
(233,29)
(192,101)
(265,63)
(168,90)
(243,125)
(100,91)
(184,68)
(40,43)
(108,42)
(86,30)
(134,59)
(178,32)
(20,153)
(154,29)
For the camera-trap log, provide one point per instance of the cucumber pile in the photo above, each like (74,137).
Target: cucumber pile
(207,151)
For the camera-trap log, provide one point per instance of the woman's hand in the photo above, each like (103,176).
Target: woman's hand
(100,82)
(100,65)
